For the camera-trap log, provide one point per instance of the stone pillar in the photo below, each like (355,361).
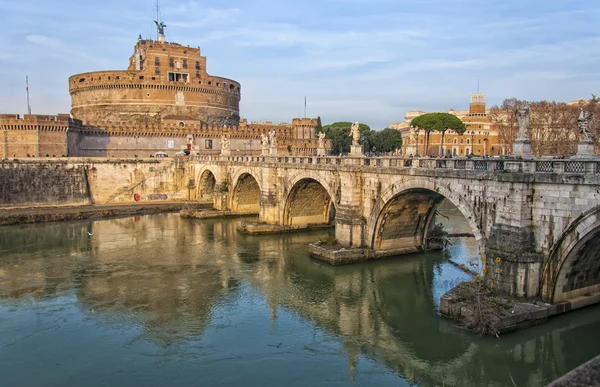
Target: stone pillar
(512,242)
(356,150)
(522,148)
(349,222)
(321,151)
(585,149)
(270,209)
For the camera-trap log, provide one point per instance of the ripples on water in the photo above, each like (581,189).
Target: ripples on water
(164,301)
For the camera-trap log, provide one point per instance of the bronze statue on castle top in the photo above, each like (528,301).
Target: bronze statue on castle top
(160,26)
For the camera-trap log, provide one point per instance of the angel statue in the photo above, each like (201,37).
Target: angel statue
(321,140)
(523,118)
(355,133)
(224,142)
(160,27)
(264,140)
(273,138)
(583,122)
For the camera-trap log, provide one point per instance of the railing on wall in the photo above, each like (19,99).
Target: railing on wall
(493,165)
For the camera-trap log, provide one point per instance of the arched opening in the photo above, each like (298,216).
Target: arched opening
(206,185)
(572,271)
(246,195)
(579,275)
(416,219)
(308,203)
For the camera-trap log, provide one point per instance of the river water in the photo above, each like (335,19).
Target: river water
(163,301)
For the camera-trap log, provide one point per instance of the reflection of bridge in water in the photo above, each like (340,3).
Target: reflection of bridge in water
(170,274)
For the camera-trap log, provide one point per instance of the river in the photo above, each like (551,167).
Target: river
(163,301)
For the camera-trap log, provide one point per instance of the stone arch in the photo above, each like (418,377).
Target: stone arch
(573,266)
(245,193)
(413,191)
(308,202)
(333,188)
(206,182)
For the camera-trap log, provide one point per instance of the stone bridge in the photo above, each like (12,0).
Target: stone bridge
(541,217)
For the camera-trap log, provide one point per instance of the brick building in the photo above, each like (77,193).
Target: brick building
(481,137)
(34,135)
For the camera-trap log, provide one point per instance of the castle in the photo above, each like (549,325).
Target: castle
(162,102)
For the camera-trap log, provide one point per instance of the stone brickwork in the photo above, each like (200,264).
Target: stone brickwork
(532,215)
(73,181)
(34,135)
(164,80)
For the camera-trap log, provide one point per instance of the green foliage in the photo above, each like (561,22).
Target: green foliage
(339,134)
(439,122)
(595,98)
(319,126)
(386,140)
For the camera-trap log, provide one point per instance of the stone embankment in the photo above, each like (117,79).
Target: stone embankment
(255,228)
(211,213)
(514,314)
(14,216)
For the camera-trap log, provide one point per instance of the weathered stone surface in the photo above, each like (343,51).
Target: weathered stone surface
(587,374)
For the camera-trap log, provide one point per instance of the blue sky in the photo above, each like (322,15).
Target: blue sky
(355,60)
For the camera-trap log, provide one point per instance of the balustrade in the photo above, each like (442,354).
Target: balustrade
(568,166)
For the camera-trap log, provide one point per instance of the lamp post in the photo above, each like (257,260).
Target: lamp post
(417,130)
(472,142)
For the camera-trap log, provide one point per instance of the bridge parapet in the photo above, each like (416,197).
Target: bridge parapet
(589,167)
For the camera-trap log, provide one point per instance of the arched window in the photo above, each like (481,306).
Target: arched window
(456,141)
(467,140)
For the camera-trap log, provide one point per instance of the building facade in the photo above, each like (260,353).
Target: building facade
(481,137)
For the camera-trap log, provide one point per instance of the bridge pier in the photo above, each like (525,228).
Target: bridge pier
(349,226)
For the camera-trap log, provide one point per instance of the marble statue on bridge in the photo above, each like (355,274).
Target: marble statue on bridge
(355,148)
(585,148)
(225,142)
(321,145)
(522,144)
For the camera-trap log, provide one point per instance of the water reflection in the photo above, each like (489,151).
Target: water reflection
(199,296)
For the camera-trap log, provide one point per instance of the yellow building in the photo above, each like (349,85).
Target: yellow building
(481,137)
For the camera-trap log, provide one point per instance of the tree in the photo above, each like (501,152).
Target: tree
(386,140)
(554,130)
(439,122)
(339,134)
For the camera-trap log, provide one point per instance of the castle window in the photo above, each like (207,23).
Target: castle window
(209,83)
(231,87)
(185,63)
(177,77)
(197,74)
(157,61)
(197,65)
(81,80)
(157,70)
(118,77)
(171,62)
(141,77)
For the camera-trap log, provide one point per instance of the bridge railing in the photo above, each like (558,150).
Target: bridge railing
(536,165)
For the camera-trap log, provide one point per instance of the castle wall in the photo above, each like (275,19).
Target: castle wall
(79,181)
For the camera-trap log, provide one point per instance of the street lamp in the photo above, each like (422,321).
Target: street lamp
(472,142)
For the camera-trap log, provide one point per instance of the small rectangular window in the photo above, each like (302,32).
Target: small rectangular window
(156,61)
(207,144)
(197,65)
(185,64)
(197,74)
(170,144)
(157,70)
(171,62)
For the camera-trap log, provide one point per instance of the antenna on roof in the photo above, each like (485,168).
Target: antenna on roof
(27,88)
(160,26)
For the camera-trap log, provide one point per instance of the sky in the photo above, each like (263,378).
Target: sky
(354,60)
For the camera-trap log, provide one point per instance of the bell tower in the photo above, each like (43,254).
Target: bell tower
(477,105)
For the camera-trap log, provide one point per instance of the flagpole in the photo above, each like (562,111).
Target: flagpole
(304,106)
(27,88)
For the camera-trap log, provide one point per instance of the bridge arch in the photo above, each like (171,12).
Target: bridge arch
(401,216)
(308,201)
(207,181)
(573,266)
(245,193)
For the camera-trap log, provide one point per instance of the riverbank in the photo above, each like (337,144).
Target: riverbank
(24,215)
